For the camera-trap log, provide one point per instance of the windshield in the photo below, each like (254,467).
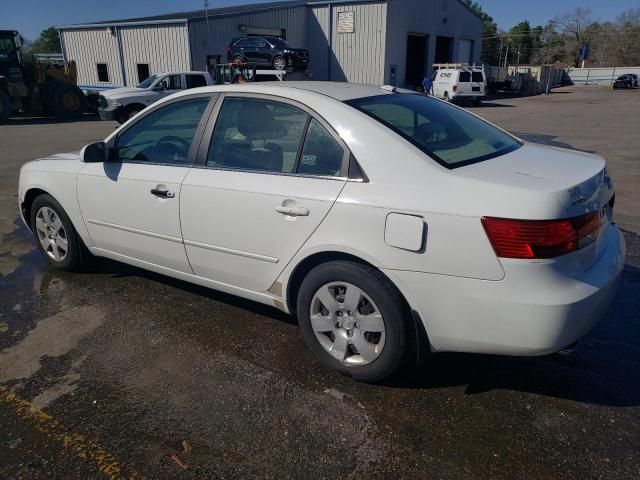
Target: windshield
(446,133)
(277,42)
(7,48)
(147,83)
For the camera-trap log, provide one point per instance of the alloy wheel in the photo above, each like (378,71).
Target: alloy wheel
(347,323)
(51,233)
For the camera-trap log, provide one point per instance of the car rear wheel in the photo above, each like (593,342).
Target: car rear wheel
(237,61)
(56,237)
(279,62)
(446,97)
(354,319)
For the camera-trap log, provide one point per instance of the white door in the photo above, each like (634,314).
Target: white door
(464,82)
(131,204)
(268,178)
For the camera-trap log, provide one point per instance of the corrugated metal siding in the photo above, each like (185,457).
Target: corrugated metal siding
(224,29)
(164,47)
(359,56)
(89,47)
(318,41)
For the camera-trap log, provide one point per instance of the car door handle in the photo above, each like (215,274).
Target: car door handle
(162,192)
(292,211)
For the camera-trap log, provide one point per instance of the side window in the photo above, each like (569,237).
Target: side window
(321,154)
(260,43)
(103,72)
(194,81)
(243,43)
(163,136)
(174,82)
(255,134)
(464,77)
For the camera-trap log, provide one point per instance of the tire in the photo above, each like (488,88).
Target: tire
(446,97)
(383,352)
(279,63)
(237,61)
(76,257)
(130,112)
(5,106)
(68,102)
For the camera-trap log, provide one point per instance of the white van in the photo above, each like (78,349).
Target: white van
(461,83)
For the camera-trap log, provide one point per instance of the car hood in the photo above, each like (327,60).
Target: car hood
(69,162)
(578,179)
(124,92)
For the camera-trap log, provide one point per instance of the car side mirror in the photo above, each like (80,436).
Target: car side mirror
(94,153)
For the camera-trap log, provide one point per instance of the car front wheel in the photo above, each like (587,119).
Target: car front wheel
(279,62)
(354,320)
(56,237)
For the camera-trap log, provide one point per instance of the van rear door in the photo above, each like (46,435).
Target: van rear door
(464,82)
(477,82)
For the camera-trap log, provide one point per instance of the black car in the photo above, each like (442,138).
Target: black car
(628,80)
(267,51)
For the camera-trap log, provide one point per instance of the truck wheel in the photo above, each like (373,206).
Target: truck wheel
(68,102)
(5,106)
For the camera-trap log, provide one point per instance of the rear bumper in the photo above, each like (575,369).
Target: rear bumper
(536,309)
(111,113)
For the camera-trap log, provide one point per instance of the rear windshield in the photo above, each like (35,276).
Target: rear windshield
(446,133)
(477,77)
(464,77)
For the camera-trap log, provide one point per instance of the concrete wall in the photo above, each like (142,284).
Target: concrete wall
(163,47)
(448,18)
(222,29)
(89,47)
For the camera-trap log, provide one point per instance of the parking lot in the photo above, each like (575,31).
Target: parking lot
(121,373)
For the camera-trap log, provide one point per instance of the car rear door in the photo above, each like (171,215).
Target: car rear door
(477,82)
(268,172)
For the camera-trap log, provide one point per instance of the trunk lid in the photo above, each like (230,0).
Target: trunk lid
(577,179)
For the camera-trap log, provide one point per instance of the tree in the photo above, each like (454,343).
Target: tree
(574,29)
(47,42)
(489,34)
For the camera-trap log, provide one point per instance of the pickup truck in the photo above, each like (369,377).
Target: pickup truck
(123,103)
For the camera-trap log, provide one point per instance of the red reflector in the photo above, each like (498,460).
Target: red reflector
(540,238)
(455,88)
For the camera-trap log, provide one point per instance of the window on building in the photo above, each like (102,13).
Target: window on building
(143,72)
(194,81)
(103,72)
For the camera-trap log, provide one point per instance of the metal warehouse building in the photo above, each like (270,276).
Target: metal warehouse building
(382,41)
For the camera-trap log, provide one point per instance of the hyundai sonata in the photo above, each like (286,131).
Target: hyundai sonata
(388,222)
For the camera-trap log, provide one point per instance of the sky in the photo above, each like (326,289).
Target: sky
(32,16)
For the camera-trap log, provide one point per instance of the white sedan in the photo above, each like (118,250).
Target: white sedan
(388,222)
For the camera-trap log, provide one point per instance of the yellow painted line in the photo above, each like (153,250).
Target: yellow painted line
(78,444)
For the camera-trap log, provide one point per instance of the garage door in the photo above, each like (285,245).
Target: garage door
(465,47)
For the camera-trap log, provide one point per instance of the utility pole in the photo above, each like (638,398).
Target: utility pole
(500,54)
(506,56)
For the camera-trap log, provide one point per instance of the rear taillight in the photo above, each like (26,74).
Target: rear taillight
(455,88)
(540,238)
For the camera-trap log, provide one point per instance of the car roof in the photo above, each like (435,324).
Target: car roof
(338,90)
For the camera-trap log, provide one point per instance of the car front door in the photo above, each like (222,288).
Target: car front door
(131,204)
(267,177)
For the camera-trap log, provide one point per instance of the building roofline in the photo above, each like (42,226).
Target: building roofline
(199,15)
